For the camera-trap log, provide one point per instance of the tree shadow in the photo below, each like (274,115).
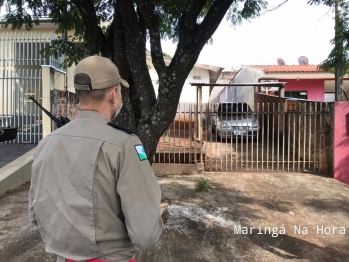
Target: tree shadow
(210,242)
(215,197)
(331,205)
(288,247)
(240,202)
(281,206)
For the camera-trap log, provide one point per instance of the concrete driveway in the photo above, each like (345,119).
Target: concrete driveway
(243,217)
(11,151)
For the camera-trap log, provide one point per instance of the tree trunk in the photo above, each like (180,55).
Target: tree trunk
(150,116)
(190,22)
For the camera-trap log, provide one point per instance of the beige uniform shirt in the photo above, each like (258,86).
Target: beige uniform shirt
(92,193)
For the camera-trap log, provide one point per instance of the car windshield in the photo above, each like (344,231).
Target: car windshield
(233,108)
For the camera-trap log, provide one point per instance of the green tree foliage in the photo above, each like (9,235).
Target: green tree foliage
(337,55)
(119,30)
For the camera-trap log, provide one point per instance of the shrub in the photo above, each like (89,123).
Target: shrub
(202,185)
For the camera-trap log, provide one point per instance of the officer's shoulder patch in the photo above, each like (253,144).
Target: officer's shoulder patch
(128,131)
(141,152)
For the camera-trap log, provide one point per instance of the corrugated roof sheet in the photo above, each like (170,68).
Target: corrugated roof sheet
(241,84)
(288,68)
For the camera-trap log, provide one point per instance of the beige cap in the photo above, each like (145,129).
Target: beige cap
(97,72)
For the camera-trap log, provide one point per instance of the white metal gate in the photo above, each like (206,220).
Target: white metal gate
(16,110)
(20,78)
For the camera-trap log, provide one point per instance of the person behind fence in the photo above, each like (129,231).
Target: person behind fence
(93,194)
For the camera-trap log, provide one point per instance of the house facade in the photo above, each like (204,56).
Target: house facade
(302,81)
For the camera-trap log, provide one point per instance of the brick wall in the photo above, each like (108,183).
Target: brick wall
(64,104)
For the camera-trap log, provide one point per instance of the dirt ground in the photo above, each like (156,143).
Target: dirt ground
(205,226)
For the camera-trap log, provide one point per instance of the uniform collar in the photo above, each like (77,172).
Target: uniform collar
(92,115)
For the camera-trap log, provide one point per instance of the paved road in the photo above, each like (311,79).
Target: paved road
(10,152)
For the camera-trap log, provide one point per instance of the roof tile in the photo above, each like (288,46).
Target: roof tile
(288,68)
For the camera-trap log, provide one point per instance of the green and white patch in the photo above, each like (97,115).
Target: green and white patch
(141,152)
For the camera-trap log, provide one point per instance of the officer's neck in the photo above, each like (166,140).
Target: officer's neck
(97,108)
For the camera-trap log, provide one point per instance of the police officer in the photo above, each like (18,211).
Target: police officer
(93,194)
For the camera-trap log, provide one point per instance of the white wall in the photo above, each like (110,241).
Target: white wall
(188,94)
(70,79)
(329,97)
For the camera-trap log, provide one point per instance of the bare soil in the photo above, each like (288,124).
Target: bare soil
(177,141)
(259,200)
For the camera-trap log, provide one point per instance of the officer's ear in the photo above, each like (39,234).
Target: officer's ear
(112,95)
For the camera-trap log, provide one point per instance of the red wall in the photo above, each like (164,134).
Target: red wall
(314,87)
(341,141)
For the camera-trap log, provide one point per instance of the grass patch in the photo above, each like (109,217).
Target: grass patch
(202,186)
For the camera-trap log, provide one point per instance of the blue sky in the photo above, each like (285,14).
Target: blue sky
(295,29)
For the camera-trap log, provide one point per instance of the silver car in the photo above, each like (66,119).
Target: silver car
(234,119)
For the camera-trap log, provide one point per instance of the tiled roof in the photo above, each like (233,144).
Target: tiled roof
(288,68)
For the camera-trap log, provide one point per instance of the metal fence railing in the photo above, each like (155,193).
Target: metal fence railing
(20,62)
(23,49)
(179,143)
(263,137)
(16,110)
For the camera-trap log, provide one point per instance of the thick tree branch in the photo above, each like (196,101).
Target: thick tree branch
(170,85)
(189,48)
(191,41)
(189,17)
(142,26)
(212,20)
(136,54)
(130,108)
(109,44)
(152,23)
(93,32)
(184,57)
(188,29)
